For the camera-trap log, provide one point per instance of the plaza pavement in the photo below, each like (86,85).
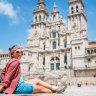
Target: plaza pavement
(81,91)
(73,91)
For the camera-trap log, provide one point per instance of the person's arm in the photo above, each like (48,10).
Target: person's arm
(2,77)
(1,88)
(10,73)
(3,71)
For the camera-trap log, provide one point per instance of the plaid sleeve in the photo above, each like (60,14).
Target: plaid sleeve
(3,72)
(10,73)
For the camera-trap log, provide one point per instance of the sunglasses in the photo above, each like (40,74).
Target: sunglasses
(19,52)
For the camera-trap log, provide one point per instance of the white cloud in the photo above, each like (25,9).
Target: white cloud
(8,10)
(1,50)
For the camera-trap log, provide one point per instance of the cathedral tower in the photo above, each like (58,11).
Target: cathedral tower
(40,17)
(76,15)
(77,28)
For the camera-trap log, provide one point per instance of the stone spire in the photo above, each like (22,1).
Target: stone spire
(54,7)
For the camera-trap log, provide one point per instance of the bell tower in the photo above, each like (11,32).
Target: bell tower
(40,17)
(76,15)
(38,25)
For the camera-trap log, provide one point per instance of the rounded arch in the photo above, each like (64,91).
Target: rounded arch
(35,18)
(39,17)
(77,8)
(54,17)
(72,10)
(52,59)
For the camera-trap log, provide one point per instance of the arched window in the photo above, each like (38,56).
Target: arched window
(55,63)
(89,59)
(43,60)
(43,47)
(65,59)
(92,51)
(72,10)
(40,18)
(36,19)
(65,44)
(54,45)
(88,51)
(79,47)
(77,9)
(52,66)
(52,59)
(54,17)
(57,66)
(54,35)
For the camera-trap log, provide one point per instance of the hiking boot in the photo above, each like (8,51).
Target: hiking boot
(60,89)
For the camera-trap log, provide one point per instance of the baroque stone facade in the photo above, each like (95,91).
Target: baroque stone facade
(56,48)
(52,46)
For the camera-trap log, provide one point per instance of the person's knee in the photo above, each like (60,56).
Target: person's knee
(37,80)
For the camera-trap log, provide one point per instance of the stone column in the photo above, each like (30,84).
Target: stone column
(68,58)
(40,65)
(47,44)
(61,60)
(61,42)
(47,60)
(41,45)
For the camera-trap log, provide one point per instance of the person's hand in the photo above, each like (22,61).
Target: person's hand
(1,88)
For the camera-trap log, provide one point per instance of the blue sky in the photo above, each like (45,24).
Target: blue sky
(16,17)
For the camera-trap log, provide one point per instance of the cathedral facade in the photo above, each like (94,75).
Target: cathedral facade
(54,47)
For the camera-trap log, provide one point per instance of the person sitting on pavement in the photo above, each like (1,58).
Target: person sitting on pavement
(13,83)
